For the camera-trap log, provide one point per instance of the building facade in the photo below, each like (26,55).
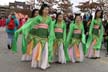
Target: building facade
(4,11)
(20,7)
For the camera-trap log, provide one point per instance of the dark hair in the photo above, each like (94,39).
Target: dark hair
(57,15)
(42,8)
(76,16)
(13,14)
(33,12)
(97,12)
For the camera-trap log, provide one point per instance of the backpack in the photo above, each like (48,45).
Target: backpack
(11,24)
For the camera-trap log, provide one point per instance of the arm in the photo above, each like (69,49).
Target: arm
(101,35)
(25,29)
(68,41)
(91,27)
(69,36)
(51,40)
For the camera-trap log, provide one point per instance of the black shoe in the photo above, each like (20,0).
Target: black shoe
(106,54)
(93,58)
(9,47)
(77,62)
(98,57)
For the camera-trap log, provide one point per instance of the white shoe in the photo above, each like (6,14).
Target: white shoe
(44,68)
(23,58)
(33,64)
(28,58)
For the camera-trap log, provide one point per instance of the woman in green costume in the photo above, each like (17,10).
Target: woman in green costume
(26,56)
(75,39)
(40,28)
(95,36)
(59,39)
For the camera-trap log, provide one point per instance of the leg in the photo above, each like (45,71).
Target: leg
(34,62)
(77,52)
(28,57)
(81,52)
(97,53)
(61,55)
(72,54)
(23,58)
(29,51)
(91,50)
(10,38)
(107,47)
(44,63)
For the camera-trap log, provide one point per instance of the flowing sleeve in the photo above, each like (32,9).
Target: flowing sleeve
(83,39)
(83,35)
(101,36)
(68,41)
(69,36)
(64,33)
(14,43)
(29,25)
(24,30)
(91,27)
(90,34)
(89,40)
(51,40)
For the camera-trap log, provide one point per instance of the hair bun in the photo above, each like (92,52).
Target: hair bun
(78,13)
(44,4)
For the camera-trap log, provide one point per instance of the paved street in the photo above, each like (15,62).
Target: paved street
(10,62)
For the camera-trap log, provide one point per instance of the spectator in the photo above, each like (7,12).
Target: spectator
(11,26)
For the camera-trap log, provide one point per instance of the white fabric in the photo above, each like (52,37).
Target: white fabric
(26,57)
(34,62)
(23,58)
(73,57)
(97,53)
(90,52)
(61,54)
(43,63)
(72,54)
(81,52)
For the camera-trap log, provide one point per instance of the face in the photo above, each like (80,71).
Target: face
(60,17)
(98,14)
(78,19)
(36,13)
(46,10)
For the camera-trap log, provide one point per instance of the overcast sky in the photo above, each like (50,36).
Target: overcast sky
(75,2)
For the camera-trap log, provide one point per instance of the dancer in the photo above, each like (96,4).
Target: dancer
(39,27)
(95,36)
(75,39)
(59,40)
(26,39)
